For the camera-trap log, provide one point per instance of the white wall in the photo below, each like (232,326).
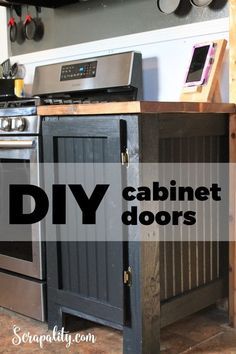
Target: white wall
(3,35)
(165,53)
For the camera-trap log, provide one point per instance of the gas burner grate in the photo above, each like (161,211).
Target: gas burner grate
(3,105)
(20,103)
(60,101)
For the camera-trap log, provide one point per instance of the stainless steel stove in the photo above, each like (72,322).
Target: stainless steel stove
(19,117)
(109,78)
(22,275)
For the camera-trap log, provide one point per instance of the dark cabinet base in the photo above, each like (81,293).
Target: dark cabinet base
(58,312)
(139,310)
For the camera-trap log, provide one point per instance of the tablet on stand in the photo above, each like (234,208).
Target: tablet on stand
(201,82)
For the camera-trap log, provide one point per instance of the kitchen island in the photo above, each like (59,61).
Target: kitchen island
(163,281)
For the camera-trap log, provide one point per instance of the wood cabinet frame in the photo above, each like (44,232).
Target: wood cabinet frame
(232,224)
(148,314)
(232,132)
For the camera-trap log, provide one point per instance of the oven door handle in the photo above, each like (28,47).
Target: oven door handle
(17,144)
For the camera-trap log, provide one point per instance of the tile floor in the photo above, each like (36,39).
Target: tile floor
(205,332)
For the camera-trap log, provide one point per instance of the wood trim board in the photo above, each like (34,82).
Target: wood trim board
(232,147)
(193,301)
(232,52)
(232,222)
(134,107)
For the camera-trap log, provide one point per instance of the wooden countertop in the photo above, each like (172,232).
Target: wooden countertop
(146,107)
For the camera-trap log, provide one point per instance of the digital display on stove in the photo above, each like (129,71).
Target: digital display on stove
(78,71)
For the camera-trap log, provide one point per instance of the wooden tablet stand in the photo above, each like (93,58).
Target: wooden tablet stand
(209,92)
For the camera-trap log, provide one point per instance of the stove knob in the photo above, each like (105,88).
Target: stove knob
(20,124)
(6,124)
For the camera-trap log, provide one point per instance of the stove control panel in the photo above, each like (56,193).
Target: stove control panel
(19,125)
(12,124)
(78,71)
(120,73)
(5,124)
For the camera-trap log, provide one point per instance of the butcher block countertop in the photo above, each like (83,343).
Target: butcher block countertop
(145,107)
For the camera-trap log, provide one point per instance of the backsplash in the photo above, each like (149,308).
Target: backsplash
(100,19)
(164,65)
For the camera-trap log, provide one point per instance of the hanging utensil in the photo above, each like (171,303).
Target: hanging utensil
(39,30)
(20,37)
(168,6)
(12,25)
(34,28)
(200,3)
(28,24)
(14,70)
(1,72)
(18,71)
(6,66)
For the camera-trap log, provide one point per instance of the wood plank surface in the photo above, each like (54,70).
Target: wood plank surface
(232,52)
(134,107)
(232,224)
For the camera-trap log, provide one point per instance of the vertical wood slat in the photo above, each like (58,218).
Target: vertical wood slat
(185,251)
(150,296)
(177,250)
(71,215)
(68,280)
(195,263)
(102,264)
(232,51)
(215,235)
(199,143)
(143,335)
(81,249)
(193,253)
(207,233)
(162,245)
(173,254)
(64,247)
(232,226)
(232,98)
(91,246)
(168,244)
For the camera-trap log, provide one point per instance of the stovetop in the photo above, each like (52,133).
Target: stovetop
(19,116)
(59,100)
(28,106)
(109,78)
(20,107)
(19,103)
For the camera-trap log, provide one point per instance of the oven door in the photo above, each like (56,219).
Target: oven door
(23,257)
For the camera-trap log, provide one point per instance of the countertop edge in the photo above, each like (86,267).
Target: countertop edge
(135,107)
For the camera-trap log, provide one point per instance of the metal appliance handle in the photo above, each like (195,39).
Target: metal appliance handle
(17,144)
